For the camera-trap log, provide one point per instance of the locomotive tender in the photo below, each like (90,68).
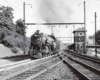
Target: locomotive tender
(42,45)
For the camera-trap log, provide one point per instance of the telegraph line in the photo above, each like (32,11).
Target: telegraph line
(69,8)
(52,10)
(93,10)
(21,10)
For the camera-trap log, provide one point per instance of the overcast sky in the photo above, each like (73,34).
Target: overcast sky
(56,11)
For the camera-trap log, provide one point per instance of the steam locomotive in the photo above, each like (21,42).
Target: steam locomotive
(42,45)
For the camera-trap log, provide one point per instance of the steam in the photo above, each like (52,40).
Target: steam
(54,11)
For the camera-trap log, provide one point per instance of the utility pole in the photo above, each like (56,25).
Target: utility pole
(24,24)
(51,29)
(71,36)
(95,36)
(74,37)
(84,28)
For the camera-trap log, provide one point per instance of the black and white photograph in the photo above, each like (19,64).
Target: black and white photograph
(49,39)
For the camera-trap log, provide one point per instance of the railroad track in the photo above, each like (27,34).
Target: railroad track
(13,59)
(85,70)
(88,60)
(34,70)
(15,63)
(84,56)
(24,56)
(11,68)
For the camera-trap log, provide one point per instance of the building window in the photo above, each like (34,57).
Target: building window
(80,33)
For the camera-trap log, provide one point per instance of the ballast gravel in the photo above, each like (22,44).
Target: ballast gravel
(59,72)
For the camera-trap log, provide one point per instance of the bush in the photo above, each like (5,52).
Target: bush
(14,50)
(12,39)
(11,34)
(1,35)
(8,41)
(4,32)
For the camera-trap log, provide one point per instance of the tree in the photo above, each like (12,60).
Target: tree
(91,37)
(98,37)
(6,21)
(20,28)
(11,34)
(6,17)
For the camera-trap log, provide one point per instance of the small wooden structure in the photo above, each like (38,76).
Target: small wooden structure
(79,40)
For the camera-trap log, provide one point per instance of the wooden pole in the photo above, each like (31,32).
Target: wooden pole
(95,37)
(84,28)
(24,24)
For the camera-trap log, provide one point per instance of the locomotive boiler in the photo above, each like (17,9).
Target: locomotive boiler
(42,45)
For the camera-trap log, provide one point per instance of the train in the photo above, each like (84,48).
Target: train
(43,45)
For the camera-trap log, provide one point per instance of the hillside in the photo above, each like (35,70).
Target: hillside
(12,34)
(5,51)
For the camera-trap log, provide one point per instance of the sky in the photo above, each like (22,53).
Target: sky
(69,11)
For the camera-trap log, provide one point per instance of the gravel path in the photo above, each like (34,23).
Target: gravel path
(60,72)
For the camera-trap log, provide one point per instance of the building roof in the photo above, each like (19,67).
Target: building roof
(79,30)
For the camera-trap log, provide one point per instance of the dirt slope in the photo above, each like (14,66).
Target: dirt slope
(5,51)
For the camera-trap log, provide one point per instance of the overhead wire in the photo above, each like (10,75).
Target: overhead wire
(53,12)
(68,10)
(50,8)
(21,10)
(68,13)
(96,7)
